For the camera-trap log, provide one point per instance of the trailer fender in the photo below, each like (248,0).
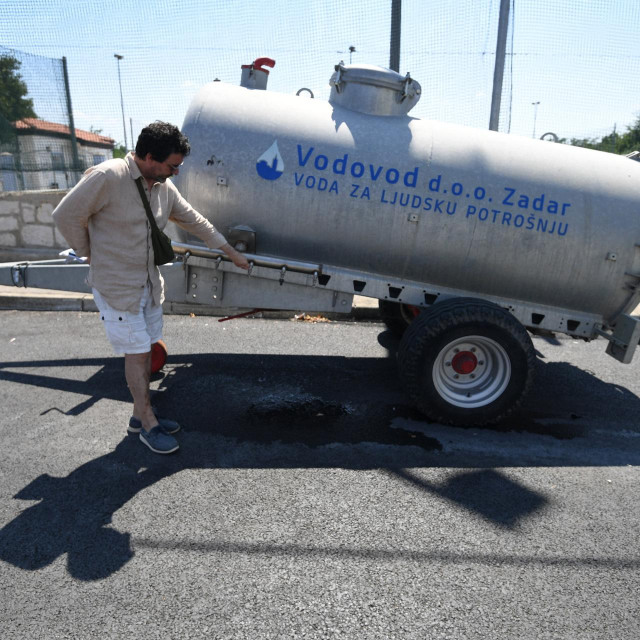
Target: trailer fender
(397,315)
(158,356)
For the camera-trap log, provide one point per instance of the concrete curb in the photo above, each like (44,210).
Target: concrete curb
(44,300)
(21,299)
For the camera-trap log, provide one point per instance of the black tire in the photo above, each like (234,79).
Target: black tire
(397,316)
(436,361)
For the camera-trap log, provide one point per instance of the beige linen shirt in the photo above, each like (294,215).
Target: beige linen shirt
(103,218)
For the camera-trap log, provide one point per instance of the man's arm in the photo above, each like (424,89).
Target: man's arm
(235,256)
(72,215)
(185,216)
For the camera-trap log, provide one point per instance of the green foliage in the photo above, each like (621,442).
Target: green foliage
(614,142)
(119,151)
(13,103)
(7,135)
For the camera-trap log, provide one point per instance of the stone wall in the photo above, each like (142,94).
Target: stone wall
(27,231)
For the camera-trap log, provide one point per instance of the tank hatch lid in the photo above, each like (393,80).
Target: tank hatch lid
(374,90)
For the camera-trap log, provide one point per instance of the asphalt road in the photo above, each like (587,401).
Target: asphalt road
(308,500)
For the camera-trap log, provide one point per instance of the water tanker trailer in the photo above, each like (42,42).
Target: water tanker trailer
(485,235)
(470,239)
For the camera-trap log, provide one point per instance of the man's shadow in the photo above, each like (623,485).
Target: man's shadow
(73,516)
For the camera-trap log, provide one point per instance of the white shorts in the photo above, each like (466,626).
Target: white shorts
(131,332)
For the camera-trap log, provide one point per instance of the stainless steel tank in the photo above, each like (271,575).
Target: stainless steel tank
(356,182)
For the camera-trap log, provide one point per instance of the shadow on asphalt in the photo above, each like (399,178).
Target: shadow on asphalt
(270,411)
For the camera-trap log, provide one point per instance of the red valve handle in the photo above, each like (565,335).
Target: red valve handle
(258,62)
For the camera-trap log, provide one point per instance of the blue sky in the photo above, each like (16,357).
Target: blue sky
(577,58)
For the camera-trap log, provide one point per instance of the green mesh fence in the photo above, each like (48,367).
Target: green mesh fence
(32,90)
(571,67)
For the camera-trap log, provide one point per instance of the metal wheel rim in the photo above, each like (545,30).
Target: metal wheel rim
(479,388)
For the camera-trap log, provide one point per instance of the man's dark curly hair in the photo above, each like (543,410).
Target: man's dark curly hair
(161,139)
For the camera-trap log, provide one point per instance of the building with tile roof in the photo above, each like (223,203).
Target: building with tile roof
(43,157)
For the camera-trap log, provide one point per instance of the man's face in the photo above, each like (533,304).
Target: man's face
(160,171)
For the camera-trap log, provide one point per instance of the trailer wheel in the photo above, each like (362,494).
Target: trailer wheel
(158,356)
(466,362)
(397,316)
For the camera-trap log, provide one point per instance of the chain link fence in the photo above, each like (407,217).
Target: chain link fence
(571,68)
(40,147)
(27,80)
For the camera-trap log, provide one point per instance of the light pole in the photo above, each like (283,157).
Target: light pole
(124,126)
(352,50)
(535,115)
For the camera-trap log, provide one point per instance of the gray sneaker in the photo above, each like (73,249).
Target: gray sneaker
(166,426)
(158,441)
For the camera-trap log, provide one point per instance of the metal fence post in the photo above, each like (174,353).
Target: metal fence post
(396,14)
(498,73)
(72,129)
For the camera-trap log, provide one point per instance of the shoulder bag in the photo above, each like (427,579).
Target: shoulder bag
(161,242)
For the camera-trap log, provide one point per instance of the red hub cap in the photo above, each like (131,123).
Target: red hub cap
(464,362)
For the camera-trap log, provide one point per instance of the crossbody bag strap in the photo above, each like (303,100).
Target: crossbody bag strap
(147,206)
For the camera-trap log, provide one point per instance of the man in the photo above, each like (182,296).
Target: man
(103,217)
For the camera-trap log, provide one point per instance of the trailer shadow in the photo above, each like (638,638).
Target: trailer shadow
(564,402)
(319,401)
(269,411)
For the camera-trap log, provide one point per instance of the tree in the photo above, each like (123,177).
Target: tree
(620,143)
(630,141)
(14,105)
(120,151)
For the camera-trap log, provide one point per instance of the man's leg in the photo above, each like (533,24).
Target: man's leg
(137,371)
(135,423)
(132,334)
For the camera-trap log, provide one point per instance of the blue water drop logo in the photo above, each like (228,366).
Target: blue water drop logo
(270,165)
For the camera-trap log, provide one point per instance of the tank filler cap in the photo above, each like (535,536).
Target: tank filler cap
(373,90)
(254,76)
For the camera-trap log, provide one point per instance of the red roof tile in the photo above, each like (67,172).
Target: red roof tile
(34,124)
